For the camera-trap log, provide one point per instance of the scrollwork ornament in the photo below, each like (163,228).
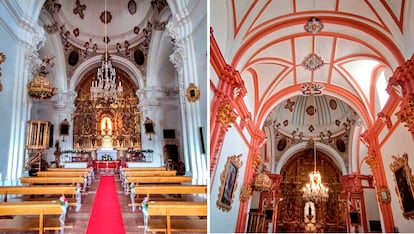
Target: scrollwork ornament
(246,192)
(371,159)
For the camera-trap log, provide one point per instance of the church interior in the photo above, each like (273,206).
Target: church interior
(102,97)
(317,97)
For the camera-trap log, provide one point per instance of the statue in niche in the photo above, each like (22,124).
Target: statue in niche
(57,153)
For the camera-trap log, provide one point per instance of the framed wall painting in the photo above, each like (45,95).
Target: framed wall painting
(404,184)
(228,180)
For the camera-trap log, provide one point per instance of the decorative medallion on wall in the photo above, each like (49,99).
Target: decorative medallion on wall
(289,105)
(312,62)
(228,180)
(314,25)
(404,184)
(384,195)
(132,7)
(2,59)
(139,57)
(281,145)
(310,110)
(193,93)
(332,104)
(246,192)
(79,9)
(73,58)
(340,145)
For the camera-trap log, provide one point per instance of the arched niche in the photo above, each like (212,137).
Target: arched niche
(123,114)
(330,215)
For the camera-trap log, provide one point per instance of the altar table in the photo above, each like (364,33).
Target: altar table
(100,165)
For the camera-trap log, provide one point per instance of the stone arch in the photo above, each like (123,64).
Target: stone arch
(328,150)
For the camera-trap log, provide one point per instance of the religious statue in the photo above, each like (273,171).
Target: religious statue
(57,153)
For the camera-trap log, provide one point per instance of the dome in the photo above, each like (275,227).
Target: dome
(311,117)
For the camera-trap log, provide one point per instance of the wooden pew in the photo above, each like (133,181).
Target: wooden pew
(159,179)
(24,221)
(144,168)
(61,173)
(170,189)
(150,173)
(126,183)
(177,208)
(41,190)
(86,170)
(51,180)
(147,190)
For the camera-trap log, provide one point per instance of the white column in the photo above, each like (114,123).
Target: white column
(184,60)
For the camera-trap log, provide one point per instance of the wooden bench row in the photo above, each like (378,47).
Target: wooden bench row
(38,223)
(173,214)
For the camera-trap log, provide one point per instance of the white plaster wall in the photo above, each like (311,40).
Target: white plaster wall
(371,205)
(221,221)
(6,95)
(400,142)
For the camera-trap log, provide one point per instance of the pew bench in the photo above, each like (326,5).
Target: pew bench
(51,180)
(154,180)
(5,191)
(39,216)
(86,170)
(144,169)
(148,190)
(175,213)
(62,173)
(150,173)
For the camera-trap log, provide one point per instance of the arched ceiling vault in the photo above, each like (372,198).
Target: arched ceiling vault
(267,42)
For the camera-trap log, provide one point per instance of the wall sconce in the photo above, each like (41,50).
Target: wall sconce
(149,127)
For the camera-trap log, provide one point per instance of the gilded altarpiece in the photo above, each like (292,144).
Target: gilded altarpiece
(330,215)
(102,124)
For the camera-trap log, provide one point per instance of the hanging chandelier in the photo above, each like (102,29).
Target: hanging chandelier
(105,86)
(314,190)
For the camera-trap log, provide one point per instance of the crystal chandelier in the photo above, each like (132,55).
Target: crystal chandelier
(105,86)
(314,190)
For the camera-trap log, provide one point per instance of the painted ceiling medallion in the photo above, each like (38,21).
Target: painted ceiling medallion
(286,122)
(314,25)
(332,104)
(79,9)
(132,7)
(106,17)
(312,62)
(289,105)
(310,110)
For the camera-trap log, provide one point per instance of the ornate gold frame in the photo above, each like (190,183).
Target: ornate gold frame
(384,194)
(2,59)
(404,184)
(228,180)
(192,93)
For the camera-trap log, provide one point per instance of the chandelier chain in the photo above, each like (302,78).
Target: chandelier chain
(105,86)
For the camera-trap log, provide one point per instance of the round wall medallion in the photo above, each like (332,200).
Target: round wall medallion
(281,145)
(139,57)
(332,104)
(73,58)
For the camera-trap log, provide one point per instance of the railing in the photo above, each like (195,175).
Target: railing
(256,222)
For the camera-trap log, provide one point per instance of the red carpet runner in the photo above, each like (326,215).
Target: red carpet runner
(106,217)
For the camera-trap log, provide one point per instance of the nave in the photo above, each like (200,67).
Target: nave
(132,221)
